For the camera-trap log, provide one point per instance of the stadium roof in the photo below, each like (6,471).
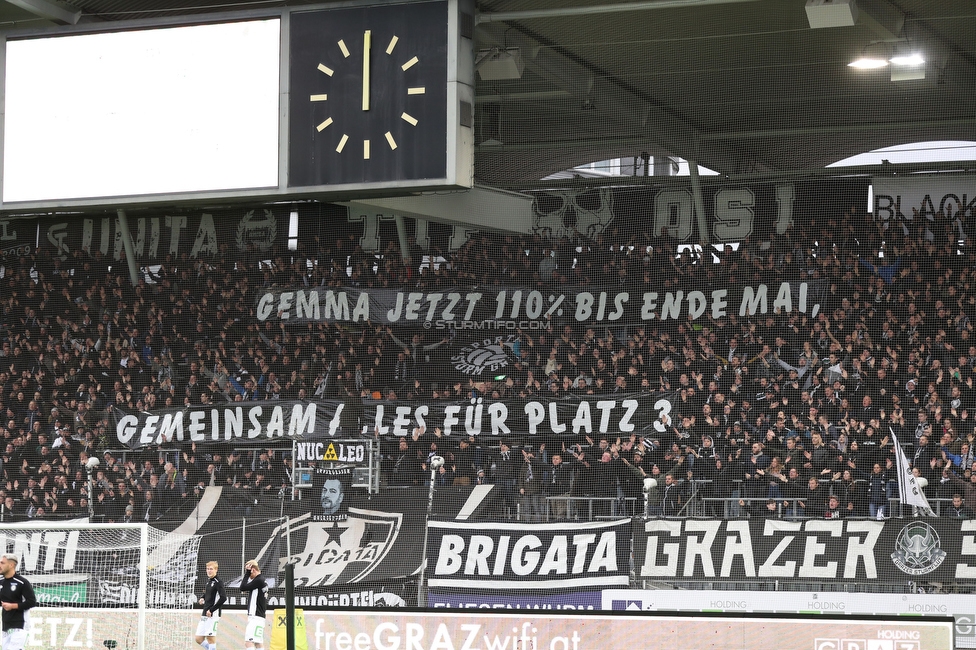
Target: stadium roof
(743,87)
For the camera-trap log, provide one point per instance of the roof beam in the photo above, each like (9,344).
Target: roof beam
(882,18)
(497,98)
(836,128)
(543,145)
(56,13)
(608,96)
(953,167)
(590,10)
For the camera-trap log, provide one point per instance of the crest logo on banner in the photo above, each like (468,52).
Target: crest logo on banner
(343,552)
(486,355)
(918,549)
(559,214)
(261,233)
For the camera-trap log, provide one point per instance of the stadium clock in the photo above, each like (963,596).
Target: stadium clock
(368,94)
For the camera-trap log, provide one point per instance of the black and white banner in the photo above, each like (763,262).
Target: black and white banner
(331,484)
(18,236)
(514,555)
(733,212)
(366,559)
(935,200)
(356,549)
(812,549)
(240,422)
(381,595)
(496,310)
(258,423)
(910,490)
(101,568)
(204,233)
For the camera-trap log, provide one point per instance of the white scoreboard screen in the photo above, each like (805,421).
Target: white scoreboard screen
(146,112)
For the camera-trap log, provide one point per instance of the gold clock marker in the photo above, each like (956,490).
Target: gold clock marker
(367,38)
(337,124)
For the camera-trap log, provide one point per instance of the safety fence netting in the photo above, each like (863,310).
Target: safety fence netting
(812,370)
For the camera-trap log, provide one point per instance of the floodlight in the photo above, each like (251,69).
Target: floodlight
(913,59)
(868,63)
(907,66)
(497,64)
(831,13)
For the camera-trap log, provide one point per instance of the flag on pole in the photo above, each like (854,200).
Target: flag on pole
(909,490)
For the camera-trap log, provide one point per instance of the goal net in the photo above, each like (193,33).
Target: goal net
(126,582)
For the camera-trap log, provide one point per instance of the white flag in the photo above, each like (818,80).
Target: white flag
(909,490)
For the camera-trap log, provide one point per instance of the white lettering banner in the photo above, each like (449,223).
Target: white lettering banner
(933,202)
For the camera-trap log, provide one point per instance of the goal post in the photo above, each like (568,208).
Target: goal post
(132,574)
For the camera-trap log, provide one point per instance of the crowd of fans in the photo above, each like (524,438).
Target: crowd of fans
(781,411)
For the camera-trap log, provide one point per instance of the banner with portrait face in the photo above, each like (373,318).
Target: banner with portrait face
(331,486)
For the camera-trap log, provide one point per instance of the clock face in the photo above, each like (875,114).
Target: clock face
(368,93)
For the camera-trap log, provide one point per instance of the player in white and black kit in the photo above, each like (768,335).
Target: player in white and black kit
(256,588)
(213,599)
(16,598)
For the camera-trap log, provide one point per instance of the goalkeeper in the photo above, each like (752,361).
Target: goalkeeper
(16,597)
(213,599)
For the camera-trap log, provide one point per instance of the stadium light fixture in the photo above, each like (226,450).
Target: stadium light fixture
(907,74)
(497,64)
(831,13)
(874,55)
(868,63)
(907,63)
(913,59)
(882,54)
